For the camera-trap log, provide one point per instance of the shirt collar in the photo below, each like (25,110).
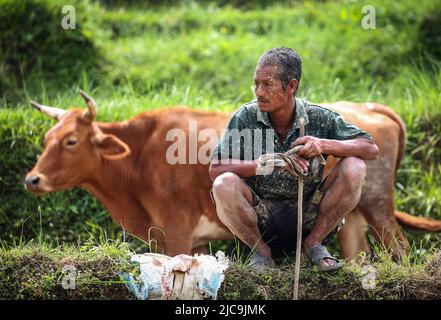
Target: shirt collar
(300,112)
(263,117)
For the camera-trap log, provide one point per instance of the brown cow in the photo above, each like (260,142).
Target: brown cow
(124,165)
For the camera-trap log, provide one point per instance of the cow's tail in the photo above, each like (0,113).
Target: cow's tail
(379,108)
(417,223)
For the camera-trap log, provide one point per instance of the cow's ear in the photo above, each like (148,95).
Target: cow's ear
(111,147)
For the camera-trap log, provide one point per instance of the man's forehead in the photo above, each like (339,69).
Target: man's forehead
(267,73)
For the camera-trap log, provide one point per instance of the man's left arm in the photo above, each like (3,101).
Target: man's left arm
(359,147)
(343,140)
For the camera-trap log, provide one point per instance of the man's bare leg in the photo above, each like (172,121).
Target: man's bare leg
(234,208)
(342,189)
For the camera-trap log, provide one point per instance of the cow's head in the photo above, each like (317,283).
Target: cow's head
(74,150)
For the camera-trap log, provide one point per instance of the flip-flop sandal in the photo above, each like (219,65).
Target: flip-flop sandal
(258,262)
(319,252)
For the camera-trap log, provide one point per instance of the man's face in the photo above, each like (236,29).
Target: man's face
(268,89)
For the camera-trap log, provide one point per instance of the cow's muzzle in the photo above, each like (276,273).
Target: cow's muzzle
(33,183)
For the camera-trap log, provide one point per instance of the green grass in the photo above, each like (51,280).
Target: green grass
(35,271)
(214,49)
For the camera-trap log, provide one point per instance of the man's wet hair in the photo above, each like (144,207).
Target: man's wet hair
(288,63)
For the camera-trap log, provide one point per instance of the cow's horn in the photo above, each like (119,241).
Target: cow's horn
(90,113)
(55,113)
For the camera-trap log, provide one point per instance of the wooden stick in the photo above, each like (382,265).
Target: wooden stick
(299,224)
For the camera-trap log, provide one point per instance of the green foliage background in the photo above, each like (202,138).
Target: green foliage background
(133,56)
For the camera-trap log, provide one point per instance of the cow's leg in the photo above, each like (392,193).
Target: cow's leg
(376,205)
(153,236)
(352,236)
(200,249)
(234,207)
(184,246)
(162,238)
(342,188)
(384,227)
(141,228)
(176,240)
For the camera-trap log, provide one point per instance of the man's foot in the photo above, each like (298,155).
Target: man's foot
(308,244)
(259,262)
(320,257)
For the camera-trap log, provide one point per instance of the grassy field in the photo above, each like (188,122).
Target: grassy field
(35,271)
(203,56)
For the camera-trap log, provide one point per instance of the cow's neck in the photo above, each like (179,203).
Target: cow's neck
(110,187)
(119,179)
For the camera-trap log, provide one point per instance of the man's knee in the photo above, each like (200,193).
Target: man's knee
(225,185)
(353,171)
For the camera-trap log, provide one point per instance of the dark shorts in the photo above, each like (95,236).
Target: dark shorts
(277,222)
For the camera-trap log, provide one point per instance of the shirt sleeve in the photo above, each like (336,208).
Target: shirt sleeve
(342,130)
(231,144)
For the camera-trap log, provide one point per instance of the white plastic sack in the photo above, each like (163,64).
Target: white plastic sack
(182,277)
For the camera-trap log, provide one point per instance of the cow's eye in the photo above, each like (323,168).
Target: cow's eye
(70,142)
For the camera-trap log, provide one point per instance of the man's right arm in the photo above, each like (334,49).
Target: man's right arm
(243,168)
(227,157)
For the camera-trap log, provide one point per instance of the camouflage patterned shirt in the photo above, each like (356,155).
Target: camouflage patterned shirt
(258,137)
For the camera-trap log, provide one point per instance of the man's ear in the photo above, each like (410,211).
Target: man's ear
(110,146)
(293,84)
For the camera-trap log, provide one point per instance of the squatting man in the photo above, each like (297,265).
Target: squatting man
(259,205)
